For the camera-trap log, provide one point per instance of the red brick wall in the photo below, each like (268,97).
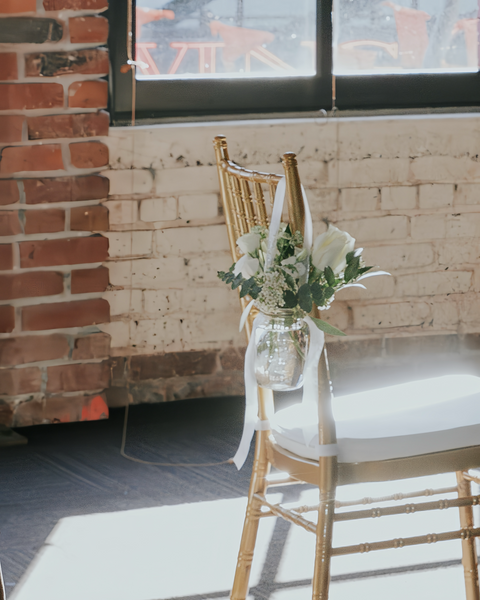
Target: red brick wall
(53,358)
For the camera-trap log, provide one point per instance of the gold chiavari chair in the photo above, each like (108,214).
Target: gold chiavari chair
(432,447)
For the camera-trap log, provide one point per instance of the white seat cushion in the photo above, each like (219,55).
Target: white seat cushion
(421,417)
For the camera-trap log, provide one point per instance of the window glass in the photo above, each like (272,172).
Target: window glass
(225,38)
(405,36)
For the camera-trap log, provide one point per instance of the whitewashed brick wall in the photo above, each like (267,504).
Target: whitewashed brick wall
(407,188)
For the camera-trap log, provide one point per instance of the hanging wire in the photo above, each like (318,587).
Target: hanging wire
(131,65)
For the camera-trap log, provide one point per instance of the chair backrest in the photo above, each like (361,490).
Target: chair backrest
(244,209)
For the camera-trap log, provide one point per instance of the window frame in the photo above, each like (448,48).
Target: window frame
(156,100)
(187,97)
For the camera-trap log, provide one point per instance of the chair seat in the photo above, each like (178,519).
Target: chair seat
(411,419)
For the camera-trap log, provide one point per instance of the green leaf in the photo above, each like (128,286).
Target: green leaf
(350,256)
(328,292)
(329,276)
(315,274)
(290,281)
(246,286)
(352,271)
(255,291)
(289,299)
(326,327)
(221,275)
(305,298)
(364,270)
(318,294)
(237,281)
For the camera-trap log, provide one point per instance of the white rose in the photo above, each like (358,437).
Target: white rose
(247,266)
(331,248)
(249,242)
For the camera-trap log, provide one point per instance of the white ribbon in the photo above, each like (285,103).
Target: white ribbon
(317,340)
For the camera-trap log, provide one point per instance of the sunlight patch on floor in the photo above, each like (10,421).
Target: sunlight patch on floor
(147,554)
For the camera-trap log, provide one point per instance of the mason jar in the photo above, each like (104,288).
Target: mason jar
(281,345)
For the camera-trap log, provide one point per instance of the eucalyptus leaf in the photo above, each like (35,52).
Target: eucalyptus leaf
(329,276)
(328,292)
(289,299)
(237,281)
(246,286)
(326,327)
(318,294)
(305,298)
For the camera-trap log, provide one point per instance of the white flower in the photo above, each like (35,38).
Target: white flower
(292,260)
(331,248)
(249,242)
(247,266)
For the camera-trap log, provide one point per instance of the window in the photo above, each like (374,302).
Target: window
(244,56)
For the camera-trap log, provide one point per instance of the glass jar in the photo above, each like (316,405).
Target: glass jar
(281,345)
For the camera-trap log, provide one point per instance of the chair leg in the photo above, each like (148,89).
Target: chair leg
(469,550)
(326,511)
(258,485)
(3,595)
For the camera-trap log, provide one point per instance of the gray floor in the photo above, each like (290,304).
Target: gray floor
(76,469)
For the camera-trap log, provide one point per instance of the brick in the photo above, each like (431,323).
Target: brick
(421,345)
(186,180)
(87,30)
(118,370)
(89,218)
(89,155)
(198,207)
(65,314)
(185,241)
(75,4)
(373,172)
(129,181)
(405,256)
(428,227)
(47,157)
(17,6)
(467,193)
(30,30)
(233,359)
(359,199)
(6,257)
(383,316)
(9,222)
(179,364)
(459,252)
(7,319)
(122,212)
(68,126)
(123,301)
(60,409)
(9,193)
(88,94)
(11,128)
(376,229)
(8,66)
(444,315)
(6,414)
(353,350)
(73,378)
(50,64)
(44,221)
(30,285)
(158,209)
(32,348)
(433,195)
(91,346)
(65,189)
(430,284)
(20,381)
(463,225)
(89,280)
(46,253)
(131,243)
(27,96)
(399,198)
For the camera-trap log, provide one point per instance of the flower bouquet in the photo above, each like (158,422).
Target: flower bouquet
(284,283)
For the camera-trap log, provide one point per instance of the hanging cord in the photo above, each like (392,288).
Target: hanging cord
(160,464)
